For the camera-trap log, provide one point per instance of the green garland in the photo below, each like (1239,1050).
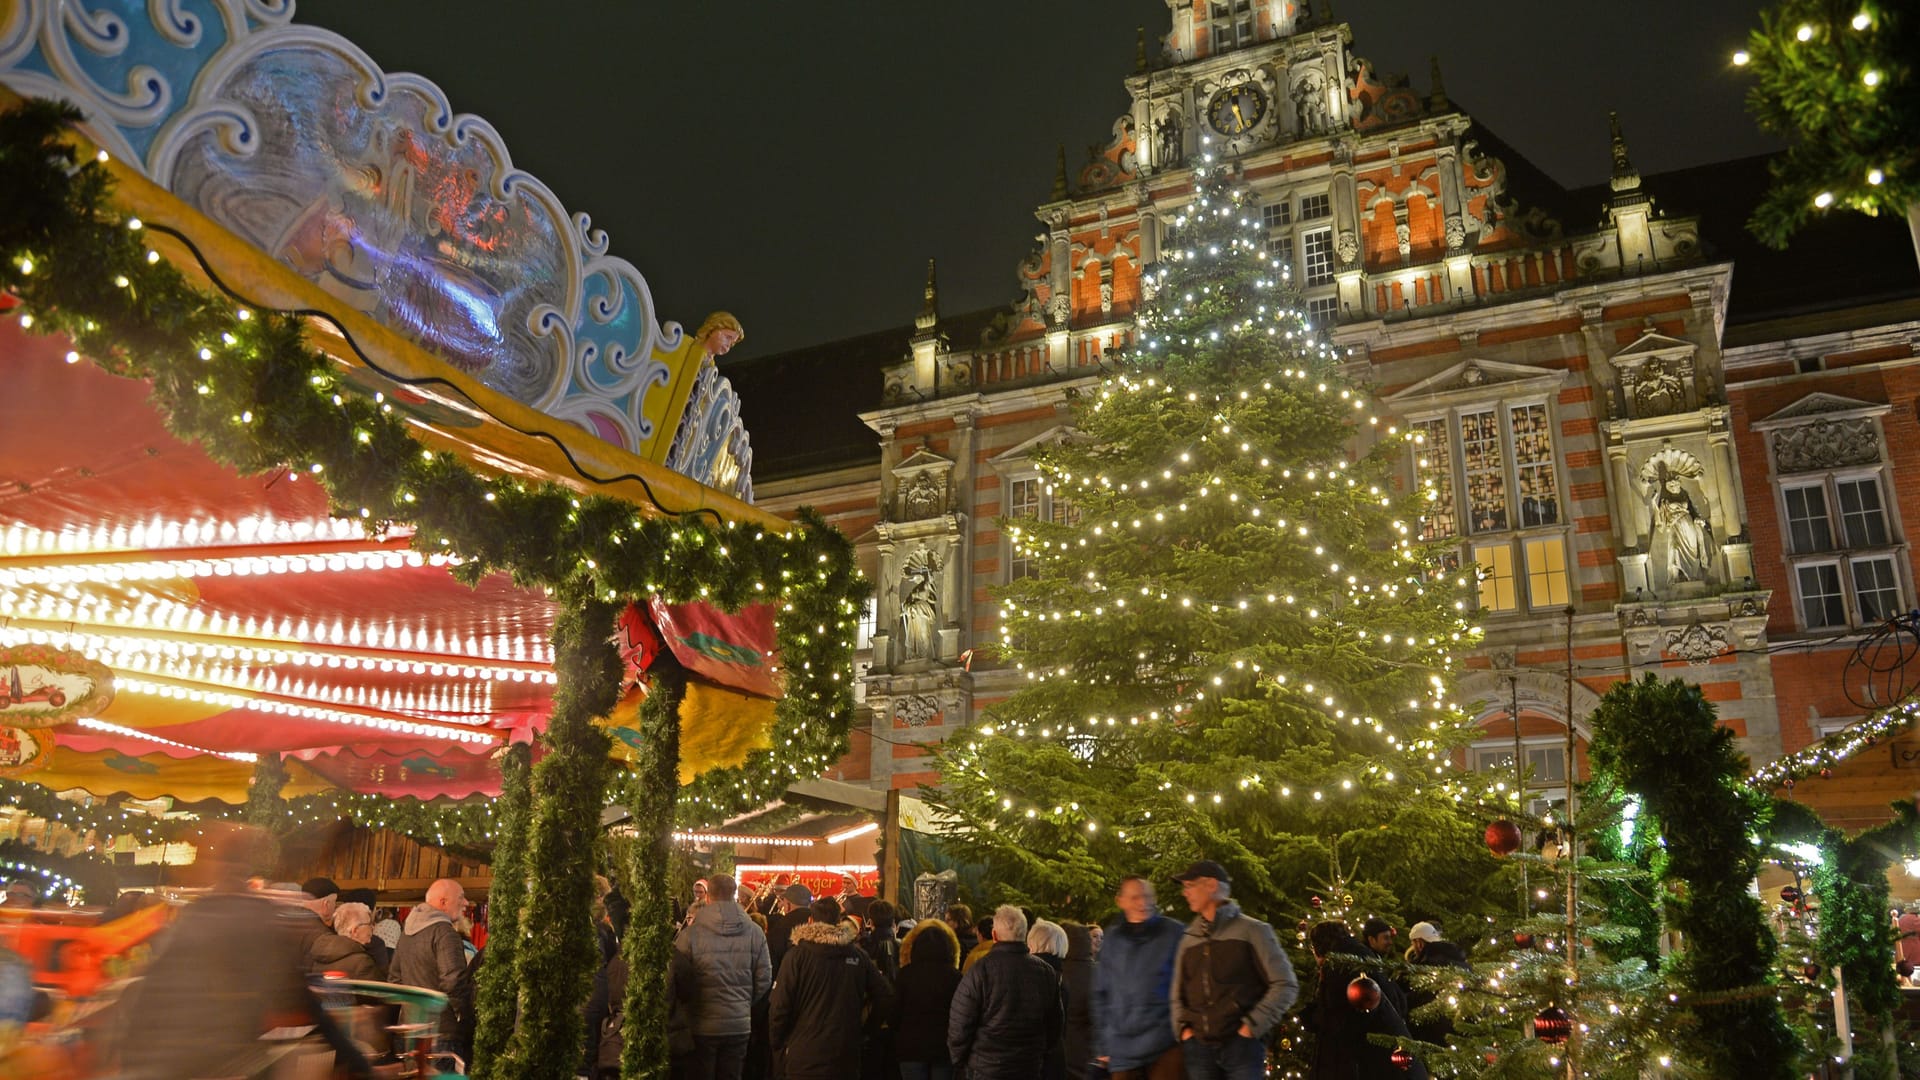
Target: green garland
(648,947)
(496,995)
(1664,743)
(245,386)
(558,954)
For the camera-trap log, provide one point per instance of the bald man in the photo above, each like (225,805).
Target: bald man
(431,956)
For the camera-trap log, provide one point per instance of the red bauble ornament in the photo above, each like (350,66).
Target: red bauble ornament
(1523,941)
(1364,994)
(1811,972)
(1503,837)
(1826,774)
(1553,1025)
(1402,1058)
(1316,901)
(1789,894)
(1304,926)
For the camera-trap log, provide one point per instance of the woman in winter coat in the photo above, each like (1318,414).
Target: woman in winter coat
(1048,941)
(827,997)
(922,998)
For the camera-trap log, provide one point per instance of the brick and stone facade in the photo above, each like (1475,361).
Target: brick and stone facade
(1618,417)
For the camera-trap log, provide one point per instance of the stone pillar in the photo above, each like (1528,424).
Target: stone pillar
(1626,500)
(1733,522)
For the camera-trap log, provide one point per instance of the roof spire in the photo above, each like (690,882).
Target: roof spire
(1140,49)
(1625,179)
(929,316)
(1437,97)
(1060,176)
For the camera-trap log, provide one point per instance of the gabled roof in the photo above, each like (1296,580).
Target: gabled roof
(1821,405)
(1473,376)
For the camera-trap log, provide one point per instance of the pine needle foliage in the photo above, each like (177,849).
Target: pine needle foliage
(1230,644)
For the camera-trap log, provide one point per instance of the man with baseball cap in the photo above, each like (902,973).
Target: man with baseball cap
(1231,981)
(790,913)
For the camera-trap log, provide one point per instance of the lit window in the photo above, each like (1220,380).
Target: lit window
(1807,526)
(1821,602)
(1023,501)
(1433,460)
(1533,463)
(1497,591)
(1547,583)
(1317,247)
(1313,207)
(1486,471)
(863,634)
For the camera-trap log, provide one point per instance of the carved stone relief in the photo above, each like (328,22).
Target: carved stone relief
(923,497)
(916,710)
(1698,643)
(1826,444)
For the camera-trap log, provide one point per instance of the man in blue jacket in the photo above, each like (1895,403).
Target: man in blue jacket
(1131,984)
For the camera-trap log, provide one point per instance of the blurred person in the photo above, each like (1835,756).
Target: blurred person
(598,1004)
(1099,936)
(432,956)
(355,921)
(1231,982)
(1076,975)
(1006,1010)
(960,921)
(346,952)
(1048,941)
(314,914)
(923,1000)
(228,969)
(1132,989)
(852,902)
(827,998)
(879,942)
(983,934)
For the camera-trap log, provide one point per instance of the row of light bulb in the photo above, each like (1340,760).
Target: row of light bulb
(161,534)
(344,717)
(139,569)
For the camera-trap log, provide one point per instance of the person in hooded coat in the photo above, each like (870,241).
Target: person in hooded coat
(732,970)
(828,998)
(923,999)
(432,955)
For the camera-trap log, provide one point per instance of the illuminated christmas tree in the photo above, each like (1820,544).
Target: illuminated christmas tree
(1233,645)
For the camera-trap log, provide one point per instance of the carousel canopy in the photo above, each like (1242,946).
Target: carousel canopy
(236,615)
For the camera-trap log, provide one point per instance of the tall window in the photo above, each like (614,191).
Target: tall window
(1843,551)
(1316,255)
(1300,240)
(1028,497)
(1494,478)
(1433,460)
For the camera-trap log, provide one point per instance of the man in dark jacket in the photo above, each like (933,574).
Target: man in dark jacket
(1131,989)
(430,955)
(1007,1011)
(1231,982)
(732,970)
(1377,935)
(1429,949)
(789,914)
(827,997)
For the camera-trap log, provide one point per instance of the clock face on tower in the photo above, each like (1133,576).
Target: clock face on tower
(1237,110)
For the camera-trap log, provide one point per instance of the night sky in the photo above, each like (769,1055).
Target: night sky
(797,162)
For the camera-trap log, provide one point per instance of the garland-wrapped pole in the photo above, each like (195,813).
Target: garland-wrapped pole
(266,809)
(558,953)
(649,944)
(498,990)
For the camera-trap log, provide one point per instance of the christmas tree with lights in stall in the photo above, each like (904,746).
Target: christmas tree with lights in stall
(1233,645)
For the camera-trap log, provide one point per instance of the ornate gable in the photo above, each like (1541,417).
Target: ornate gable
(922,487)
(1823,431)
(1018,455)
(1657,376)
(1477,380)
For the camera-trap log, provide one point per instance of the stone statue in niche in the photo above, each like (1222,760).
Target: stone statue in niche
(1310,104)
(1682,542)
(920,603)
(922,498)
(1170,153)
(1658,389)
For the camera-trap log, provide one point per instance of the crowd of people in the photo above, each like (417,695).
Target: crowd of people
(777,984)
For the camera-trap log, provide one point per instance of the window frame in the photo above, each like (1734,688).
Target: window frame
(1543,790)
(1841,553)
(1240,25)
(1045,508)
(1294,229)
